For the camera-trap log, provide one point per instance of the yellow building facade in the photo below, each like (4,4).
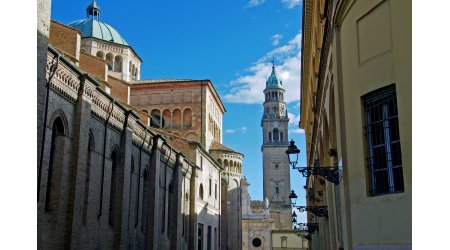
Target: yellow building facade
(356,113)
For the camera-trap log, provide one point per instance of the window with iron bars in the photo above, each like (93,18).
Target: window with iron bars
(384,158)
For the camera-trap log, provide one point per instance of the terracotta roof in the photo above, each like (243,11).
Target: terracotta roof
(179,143)
(163,80)
(218,146)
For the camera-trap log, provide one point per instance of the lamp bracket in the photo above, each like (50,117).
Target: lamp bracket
(319,211)
(331,174)
(311,228)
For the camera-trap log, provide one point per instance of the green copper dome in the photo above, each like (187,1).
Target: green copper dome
(274,82)
(92,27)
(96,29)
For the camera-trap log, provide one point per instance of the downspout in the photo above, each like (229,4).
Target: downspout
(165,188)
(103,159)
(53,69)
(139,179)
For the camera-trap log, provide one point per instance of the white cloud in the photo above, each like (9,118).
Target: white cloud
(232,131)
(248,88)
(254,3)
(293,119)
(297,131)
(291,3)
(276,39)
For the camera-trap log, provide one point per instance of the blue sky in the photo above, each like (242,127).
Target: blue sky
(232,43)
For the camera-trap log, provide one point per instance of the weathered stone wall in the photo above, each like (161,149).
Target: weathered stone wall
(43,27)
(80,214)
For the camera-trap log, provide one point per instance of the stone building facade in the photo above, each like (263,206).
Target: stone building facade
(108,180)
(356,113)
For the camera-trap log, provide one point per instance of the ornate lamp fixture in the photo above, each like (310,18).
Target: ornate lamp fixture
(319,211)
(329,173)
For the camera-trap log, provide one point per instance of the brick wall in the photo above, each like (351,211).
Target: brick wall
(65,38)
(119,89)
(94,66)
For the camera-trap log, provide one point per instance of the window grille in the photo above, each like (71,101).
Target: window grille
(383,140)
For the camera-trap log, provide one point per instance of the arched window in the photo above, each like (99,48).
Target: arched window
(275,135)
(167,119)
(156,118)
(118,63)
(100,54)
(187,118)
(176,118)
(130,219)
(225,165)
(281,136)
(113,189)
(200,191)
(145,194)
(110,60)
(55,166)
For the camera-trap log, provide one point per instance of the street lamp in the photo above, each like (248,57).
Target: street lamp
(329,173)
(293,198)
(292,153)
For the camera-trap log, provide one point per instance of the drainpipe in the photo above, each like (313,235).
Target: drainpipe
(139,179)
(53,69)
(103,159)
(165,188)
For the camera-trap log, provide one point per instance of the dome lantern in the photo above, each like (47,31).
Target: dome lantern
(93,11)
(274,81)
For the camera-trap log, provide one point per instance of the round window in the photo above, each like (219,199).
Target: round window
(256,242)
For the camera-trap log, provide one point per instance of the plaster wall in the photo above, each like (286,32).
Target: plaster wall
(381,32)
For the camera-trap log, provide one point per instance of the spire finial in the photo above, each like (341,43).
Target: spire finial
(273,63)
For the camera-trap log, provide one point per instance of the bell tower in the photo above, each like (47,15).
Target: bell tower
(274,125)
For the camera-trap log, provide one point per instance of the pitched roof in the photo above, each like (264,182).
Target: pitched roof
(220,147)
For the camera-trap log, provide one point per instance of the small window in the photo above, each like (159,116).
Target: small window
(215,191)
(200,191)
(276,166)
(281,136)
(210,187)
(383,140)
(284,242)
(277,190)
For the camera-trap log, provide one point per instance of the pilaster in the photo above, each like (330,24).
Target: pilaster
(153,211)
(123,186)
(77,171)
